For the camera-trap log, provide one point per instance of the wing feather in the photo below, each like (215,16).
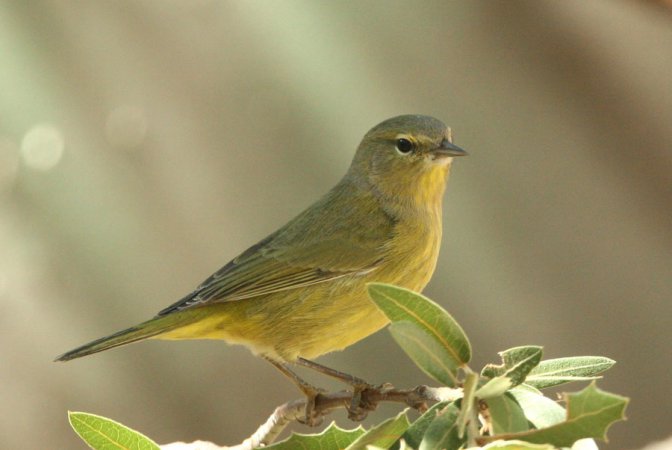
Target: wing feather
(299,255)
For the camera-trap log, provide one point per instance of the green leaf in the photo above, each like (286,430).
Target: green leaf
(332,438)
(493,370)
(590,412)
(467,404)
(101,433)
(517,363)
(543,412)
(494,387)
(539,409)
(442,432)
(403,305)
(414,434)
(516,445)
(506,415)
(382,435)
(431,357)
(553,372)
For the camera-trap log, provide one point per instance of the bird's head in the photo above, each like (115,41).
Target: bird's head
(407,157)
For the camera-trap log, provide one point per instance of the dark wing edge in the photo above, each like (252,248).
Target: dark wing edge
(252,274)
(288,259)
(192,298)
(214,293)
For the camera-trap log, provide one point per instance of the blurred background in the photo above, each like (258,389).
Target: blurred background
(143,144)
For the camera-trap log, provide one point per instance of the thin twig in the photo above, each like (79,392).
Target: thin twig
(283,415)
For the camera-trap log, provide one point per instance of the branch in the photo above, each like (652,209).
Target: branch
(295,410)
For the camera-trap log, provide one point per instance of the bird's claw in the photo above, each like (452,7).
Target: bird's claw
(312,417)
(361,404)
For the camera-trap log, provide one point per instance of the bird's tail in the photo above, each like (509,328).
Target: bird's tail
(139,332)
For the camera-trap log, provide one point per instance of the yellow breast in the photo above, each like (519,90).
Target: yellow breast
(313,320)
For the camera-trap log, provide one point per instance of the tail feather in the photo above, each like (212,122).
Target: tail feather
(133,334)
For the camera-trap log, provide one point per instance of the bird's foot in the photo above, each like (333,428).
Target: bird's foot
(364,395)
(312,418)
(362,402)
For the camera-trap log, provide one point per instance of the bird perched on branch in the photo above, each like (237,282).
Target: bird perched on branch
(301,292)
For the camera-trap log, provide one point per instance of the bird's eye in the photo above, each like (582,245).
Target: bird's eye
(404,145)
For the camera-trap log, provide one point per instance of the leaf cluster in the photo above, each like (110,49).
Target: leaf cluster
(501,407)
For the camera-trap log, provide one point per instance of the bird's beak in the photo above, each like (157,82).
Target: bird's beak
(447,148)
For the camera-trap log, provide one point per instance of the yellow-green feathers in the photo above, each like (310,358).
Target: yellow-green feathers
(302,290)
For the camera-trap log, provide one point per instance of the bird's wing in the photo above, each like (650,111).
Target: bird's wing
(277,264)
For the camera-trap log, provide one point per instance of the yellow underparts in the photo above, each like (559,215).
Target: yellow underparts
(305,322)
(313,320)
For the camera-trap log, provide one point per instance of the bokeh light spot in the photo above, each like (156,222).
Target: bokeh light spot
(126,127)
(42,147)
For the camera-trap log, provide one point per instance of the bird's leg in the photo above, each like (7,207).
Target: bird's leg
(344,377)
(360,405)
(311,419)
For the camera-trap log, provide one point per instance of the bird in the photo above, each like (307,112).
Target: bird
(301,292)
